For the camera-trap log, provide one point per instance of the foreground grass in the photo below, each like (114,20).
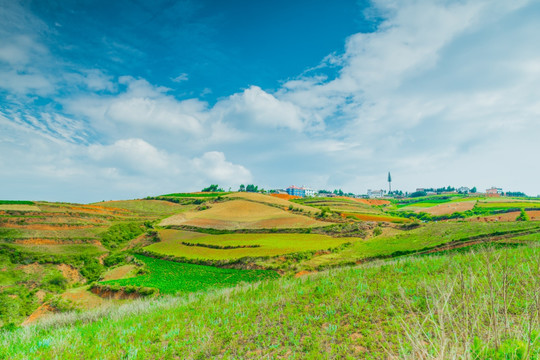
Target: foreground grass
(481,305)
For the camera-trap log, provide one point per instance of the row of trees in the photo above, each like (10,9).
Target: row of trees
(249,188)
(213,188)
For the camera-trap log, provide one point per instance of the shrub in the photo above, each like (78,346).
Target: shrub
(523,216)
(119,234)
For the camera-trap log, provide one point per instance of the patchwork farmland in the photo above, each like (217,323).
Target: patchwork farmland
(58,257)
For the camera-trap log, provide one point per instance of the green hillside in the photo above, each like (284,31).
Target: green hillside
(481,305)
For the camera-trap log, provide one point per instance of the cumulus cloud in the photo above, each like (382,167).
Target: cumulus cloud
(216,168)
(139,107)
(256,107)
(132,155)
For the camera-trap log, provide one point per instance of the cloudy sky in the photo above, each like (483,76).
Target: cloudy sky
(120,99)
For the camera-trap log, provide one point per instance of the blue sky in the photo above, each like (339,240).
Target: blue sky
(107,100)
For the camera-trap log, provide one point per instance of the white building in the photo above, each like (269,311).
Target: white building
(309,192)
(375,193)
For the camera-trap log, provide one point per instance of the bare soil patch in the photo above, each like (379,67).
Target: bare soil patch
(55,241)
(369,201)
(506,217)
(303,273)
(71,273)
(39,313)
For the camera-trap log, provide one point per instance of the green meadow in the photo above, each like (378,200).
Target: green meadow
(266,244)
(479,305)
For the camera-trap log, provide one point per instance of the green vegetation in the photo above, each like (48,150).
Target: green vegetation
(213,188)
(16,202)
(117,235)
(172,277)
(479,305)
(509,205)
(421,238)
(173,243)
(522,216)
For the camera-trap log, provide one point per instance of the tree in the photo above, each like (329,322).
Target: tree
(212,188)
(473,190)
(252,188)
(242,188)
(389,183)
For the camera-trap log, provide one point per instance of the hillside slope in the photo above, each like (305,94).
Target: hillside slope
(482,305)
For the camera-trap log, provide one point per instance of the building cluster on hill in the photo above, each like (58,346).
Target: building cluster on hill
(300,191)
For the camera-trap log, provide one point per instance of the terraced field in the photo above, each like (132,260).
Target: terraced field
(242,214)
(271,200)
(193,245)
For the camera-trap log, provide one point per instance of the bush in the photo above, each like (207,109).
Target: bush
(114,259)
(91,269)
(119,234)
(58,281)
(523,216)
(377,231)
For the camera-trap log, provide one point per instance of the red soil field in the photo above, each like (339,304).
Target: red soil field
(368,201)
(46,226)
(42,241)
(510,216)
(285,196)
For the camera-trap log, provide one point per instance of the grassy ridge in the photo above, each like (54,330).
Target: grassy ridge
(172,277)
(477,306)
(428,236)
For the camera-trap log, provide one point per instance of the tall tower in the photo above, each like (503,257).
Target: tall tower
(389,183)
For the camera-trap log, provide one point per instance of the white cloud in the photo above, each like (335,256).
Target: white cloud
(256,107)
(141,107)
(181,77)
(216,168)
(133,155)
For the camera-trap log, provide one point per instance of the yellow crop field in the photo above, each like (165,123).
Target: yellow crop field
(242,214)
(270,200)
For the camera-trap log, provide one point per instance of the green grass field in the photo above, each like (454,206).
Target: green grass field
(429,235)
(270,244)
(16,202)
(509,204)
(172,277)
(466,306)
